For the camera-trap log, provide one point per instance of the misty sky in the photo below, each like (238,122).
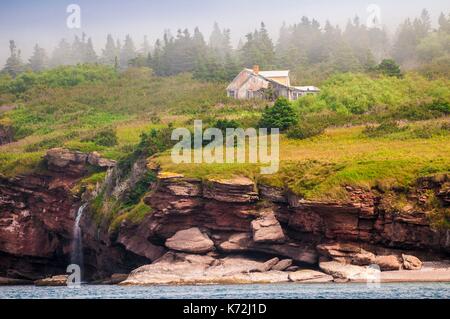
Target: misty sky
(44,21)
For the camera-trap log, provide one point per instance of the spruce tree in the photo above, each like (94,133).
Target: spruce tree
(128,52)
(39,60)
(109,53)
(14,64)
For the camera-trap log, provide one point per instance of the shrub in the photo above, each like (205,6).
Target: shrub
(105,137)
(64,76)
(389,67)
(281,115)
(385,128)
(134,196)
(304,130)
(224,124)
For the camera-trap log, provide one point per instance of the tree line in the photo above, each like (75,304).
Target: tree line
(307,48)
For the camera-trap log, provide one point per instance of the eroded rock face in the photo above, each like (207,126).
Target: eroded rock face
(176,184)
(190,241)
(37,213)
(74,163)
(267,229)
(236,190)
(196,218)
(243,242)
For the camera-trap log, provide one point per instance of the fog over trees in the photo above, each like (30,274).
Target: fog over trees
(310,50)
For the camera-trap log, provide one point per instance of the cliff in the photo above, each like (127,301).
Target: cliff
(224,221)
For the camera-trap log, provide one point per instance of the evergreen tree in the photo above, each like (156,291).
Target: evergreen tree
(39,60)
(62,55)
(444,23)
(78,50)
(128,52)
(145,47)
(14,64)
(390,68)
(156,62)
(89,53)
(258,49)
(110,53)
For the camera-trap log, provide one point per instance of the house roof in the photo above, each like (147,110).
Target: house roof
(274,74)
(268,76)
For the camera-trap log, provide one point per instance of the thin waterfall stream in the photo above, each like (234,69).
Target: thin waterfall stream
(77,241)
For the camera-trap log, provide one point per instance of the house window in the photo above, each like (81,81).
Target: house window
(249,94)
(231,94)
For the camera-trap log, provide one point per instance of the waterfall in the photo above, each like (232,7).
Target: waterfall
(77,241)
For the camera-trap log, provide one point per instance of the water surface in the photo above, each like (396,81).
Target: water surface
(273,291)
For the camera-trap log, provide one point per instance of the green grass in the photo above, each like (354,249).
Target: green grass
(135,102)
(319,167)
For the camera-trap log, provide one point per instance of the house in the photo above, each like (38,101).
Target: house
(256,84)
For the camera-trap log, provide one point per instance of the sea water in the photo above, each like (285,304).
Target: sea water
(270,291)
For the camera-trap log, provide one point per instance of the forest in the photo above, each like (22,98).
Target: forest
(310,50)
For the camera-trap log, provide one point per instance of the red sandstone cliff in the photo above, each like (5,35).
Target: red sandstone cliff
(234,216)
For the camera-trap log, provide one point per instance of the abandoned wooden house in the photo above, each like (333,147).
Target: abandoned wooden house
(256,84)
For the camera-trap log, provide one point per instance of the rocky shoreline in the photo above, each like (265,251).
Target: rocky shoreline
(231,231)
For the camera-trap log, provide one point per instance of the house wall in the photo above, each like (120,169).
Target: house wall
(247,85)
(250,87)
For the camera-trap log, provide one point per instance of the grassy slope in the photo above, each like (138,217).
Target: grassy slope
(131,104)
(317,168)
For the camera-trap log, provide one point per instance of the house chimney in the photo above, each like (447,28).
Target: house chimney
(256,69)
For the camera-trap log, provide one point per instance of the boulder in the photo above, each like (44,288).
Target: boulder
(346,272)
(283,265)
(347,253)
(267,229)
(191,241)
(269,264)
(386,263)
(60,280)
(235,190)
(95,159)
(185,269)
(309,276)
(411,262)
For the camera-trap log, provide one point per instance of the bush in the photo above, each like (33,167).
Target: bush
(385,128)
(411,96)
(389,67)
(281,116)
(64,76)
(224,124)
(106,137)
(304,130)
(134,195)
